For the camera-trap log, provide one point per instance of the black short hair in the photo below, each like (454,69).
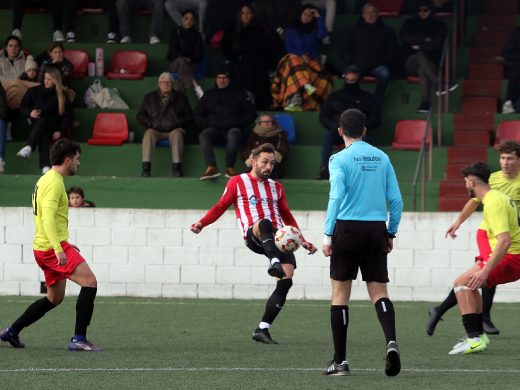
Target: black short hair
(62,149)
(264,148)
(11,37)
(189,11)
(76,190)
(352,122)
(479,169)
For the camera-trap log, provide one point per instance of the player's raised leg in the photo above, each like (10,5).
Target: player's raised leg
(264,231)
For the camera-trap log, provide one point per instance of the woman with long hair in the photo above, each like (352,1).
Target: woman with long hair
(54,58)
(49,109)
(300,82)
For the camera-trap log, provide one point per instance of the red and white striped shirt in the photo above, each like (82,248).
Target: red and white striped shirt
(254,200)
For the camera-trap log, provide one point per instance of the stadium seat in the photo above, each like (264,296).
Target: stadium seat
(412,79)
(79,60)
(128,65)
(390,8)
(409,134)
(507,130)
(110,128)
(286,122)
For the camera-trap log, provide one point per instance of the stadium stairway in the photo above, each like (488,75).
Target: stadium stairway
(474,123)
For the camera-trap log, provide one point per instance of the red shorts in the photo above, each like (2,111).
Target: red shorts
(48,262)
(507,271)
(484,249)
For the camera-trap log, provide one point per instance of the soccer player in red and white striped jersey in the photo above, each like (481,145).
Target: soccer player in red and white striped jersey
(262,209)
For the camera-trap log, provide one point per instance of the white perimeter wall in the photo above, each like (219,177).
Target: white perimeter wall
(152,253)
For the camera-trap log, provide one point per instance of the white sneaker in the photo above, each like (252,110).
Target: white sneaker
(111,37)
(17,33)
(45,169)
(467,346)
(71,37)
(198,91)
(126,39)
(507,107)
(58,36)
(154,40)
(24,152)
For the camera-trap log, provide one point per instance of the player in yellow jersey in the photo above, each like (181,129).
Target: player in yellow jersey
(501,219)
(58,259)
(507,180)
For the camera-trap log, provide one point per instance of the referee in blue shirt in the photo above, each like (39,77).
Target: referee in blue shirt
(362,183)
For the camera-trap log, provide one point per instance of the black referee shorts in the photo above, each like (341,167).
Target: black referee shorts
(256,246)
(359,244)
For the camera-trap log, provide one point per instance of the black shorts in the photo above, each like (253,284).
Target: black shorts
(359,244)
(256,246)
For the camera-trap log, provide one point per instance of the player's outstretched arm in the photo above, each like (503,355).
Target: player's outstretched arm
(196,227)
(309,246)
(468,209)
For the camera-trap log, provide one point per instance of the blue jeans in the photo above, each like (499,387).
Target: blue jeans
(231,138)
(382,74)
(3,135)
(330,138)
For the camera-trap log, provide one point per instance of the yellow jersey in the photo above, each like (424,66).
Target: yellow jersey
(51,212)
(510,187)
(501,216)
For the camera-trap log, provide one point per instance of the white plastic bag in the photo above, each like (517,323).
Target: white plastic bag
(110,98)
(91,92)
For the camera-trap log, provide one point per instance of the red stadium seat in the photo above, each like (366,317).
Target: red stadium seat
(507,130)
(128,65)
(79,60)
(391,8)
(110,128)
(409,134)
(412,79)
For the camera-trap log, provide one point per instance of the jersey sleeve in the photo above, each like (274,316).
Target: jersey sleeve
(49,205)
(395,201)
(336,194)
(227,199)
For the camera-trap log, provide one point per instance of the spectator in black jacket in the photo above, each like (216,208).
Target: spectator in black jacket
(243,48)
(351,96)
(164,113)
(49,109)
(54,58)
(372,46)
(224,111)
(424,36)
(186,49)
(511,54)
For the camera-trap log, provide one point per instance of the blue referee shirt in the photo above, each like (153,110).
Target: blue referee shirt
(362,180)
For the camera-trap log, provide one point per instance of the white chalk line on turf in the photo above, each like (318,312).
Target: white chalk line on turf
(230,369)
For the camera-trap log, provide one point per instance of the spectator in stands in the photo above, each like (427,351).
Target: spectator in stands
(224,111)
(126,7)
(164,113)
(243,48)
(350,96)
(12,59)
(31,70)
(186,50)
(177,8)
(329,8)
(424,36)
(300,82)
(511,54)
(70,7)
(56,8)
(267,130)
(3,127)
(77,198)
(49,109)
(54,58)
(372,46)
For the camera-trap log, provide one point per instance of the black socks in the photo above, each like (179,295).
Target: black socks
(339,325)
(447,304)
(473,324)
(32,314)
(276,300)
(84,309)
(386,315)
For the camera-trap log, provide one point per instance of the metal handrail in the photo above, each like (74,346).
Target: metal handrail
(421,162)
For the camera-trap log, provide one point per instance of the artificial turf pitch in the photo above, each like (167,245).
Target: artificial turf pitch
(196,344)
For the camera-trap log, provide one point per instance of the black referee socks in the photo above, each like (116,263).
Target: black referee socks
(386,315)
(84,309)
(32,314)
(339,325)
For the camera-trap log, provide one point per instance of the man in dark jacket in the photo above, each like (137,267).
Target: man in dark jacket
(424,36)
(372,46)
(351,96)
(164,113)
(224,111)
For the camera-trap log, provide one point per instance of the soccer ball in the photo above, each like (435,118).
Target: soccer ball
(288,239)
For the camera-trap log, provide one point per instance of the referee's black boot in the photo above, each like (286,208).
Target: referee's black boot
(337,369)
(263,336)
(177,169)
(393,359)
(147,169)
